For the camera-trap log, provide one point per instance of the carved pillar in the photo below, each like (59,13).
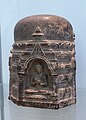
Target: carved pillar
(21,85)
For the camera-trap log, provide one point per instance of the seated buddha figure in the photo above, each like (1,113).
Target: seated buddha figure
(39,78)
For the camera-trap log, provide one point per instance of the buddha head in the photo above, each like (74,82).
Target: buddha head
(39,68)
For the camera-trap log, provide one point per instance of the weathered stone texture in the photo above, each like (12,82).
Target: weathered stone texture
(42,63)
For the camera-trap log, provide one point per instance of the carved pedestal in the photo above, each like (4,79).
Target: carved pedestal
(42,63)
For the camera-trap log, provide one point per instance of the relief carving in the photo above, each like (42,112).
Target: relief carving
(39,78)
(42,64)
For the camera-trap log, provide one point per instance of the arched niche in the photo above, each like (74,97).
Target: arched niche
(36,78)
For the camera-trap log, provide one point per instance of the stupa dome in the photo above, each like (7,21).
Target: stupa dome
(53,27)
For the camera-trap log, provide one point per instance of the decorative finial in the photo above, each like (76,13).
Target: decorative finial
(38,33)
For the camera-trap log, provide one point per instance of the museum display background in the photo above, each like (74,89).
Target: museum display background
(12,11)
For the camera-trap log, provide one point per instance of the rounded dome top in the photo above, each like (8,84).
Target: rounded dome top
(53,27)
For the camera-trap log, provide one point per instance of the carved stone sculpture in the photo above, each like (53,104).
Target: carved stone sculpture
(42,63)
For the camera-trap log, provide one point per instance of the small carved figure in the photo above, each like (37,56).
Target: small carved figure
(39,78)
